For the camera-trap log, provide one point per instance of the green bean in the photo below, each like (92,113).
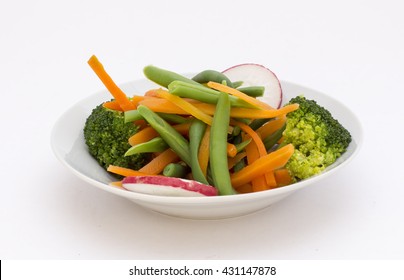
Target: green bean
(202,93)
(241,146)
(254,91)
(257,123)
(164,77)
(212,75)
(177,170)
(196,132)
(172,137)
(218,147)
(272,139)
(173,118)
(132,115)
(237,84)
(239,165)
(154,145)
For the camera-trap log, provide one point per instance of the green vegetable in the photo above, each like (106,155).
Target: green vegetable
(164,77)
(255,91)
(318,138)
(212,75)
(196,132)
(132,115)
(202,93)
(172,137)
(152,146)
(106,136)
(177,170)
(271,140)
(218,148)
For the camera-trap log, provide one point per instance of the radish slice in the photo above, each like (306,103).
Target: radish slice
(167,186)
(257,75)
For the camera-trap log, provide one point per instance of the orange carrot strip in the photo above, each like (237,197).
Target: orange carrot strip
(159,105)
(113,105)
(237,112)
(186,106)
(255,137)
(231,161)
(157,164)
(116,92)
(271,126)
(231,150)
(203,153)
(251,100)
(258,183)
(283,177)
(124,171)
(142,136)
(271,161)
(246,188)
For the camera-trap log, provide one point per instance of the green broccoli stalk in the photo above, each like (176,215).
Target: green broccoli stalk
(318,138)
(106,135)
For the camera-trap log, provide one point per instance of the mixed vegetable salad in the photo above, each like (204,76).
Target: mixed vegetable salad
(211,134)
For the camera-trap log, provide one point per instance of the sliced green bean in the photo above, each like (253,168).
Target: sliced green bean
(257,123)
(172,137)
(164,77)
(218,147)
(196,132)
(212,75)
(173,118)
(202,93)
(241,146)
(253,91)
(237,84)
(272,139)
(154,145)
(132,115)
(177,170)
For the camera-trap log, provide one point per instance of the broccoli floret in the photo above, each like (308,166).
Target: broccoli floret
(106,135)
(318,138)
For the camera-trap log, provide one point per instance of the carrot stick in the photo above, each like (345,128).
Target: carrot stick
(283,177)
(256,138)
(231,150)
(186,106)
(231,161)
(258,183)
(156,165)
(113,105)
(124,171)
(251,100)
(142,136)
(271,126)
(160,105)
(116,92)
(271,161)
(203,154)
(246,188)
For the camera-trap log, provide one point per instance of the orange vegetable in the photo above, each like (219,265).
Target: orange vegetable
(271,161)
(142,136)
(258,183)
(231,161)
(231,150)
(251,100)
(124,171)
(113,105)
(203,154)
(116,92)
(283,177)
(157,164)
(271,127)
(186,106)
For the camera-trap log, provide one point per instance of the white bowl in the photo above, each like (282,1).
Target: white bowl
(68,145)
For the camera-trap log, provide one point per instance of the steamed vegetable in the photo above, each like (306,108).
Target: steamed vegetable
(210,135)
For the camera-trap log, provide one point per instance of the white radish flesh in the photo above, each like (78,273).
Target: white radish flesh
(257,75)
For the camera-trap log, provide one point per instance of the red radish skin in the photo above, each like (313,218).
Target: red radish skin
(167,186)
(258,75)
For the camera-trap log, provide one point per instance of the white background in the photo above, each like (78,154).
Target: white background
(352,50)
